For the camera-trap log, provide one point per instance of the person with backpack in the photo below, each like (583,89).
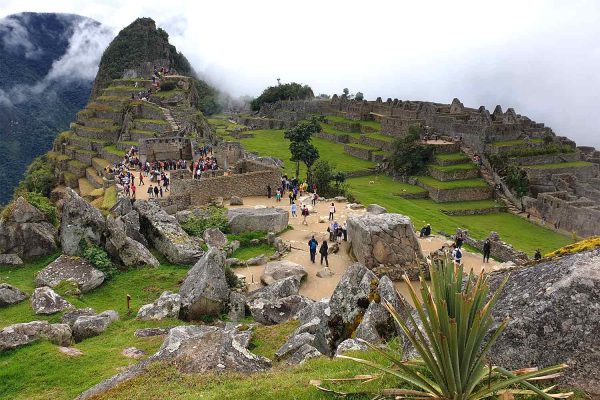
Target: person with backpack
(323,251)
(294,208)
(457,256)
(312,248)
(459,241)
(487,249)
(305,213)
(331,211)
(538,255)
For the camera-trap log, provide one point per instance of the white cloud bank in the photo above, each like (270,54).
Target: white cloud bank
(540,57)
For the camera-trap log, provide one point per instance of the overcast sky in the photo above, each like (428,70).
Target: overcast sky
(540,57)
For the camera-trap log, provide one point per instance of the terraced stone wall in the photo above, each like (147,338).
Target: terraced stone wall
(161,149)
(358,152)
(459,194)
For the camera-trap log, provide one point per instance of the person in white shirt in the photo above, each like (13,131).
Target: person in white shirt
(331,211)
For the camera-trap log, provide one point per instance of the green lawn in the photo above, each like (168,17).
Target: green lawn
(380,136)
(451,168)
(272,143)
(248,252)
(517,142)
(114,150)
(463,183)
(452,157)
(517,231)
(572,164)
(332,131)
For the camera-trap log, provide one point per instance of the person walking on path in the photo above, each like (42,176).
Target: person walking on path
(459,241)
(331,211)
(133,189)
(315,197)
(312,247)
(294,208)
(457,256)
(150,191)
(268,191)
(304,215)
(323,251)
(156,191)
(487,248)
(291,196)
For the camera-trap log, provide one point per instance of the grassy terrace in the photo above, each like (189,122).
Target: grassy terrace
(573,164)
(114,150)
(362,146)
(168,93)
(517,231)
(91,139)
(77,164)
(451,168)
(371,124)
(460,184)
(153,121)
(452,157)
(517,142)
(270,142)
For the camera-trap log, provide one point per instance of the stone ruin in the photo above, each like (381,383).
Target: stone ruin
(499,250)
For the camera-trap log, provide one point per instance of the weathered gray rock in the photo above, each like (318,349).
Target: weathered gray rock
(46,301)
(376,209)
(17,335)
(324,272)
(386,244)
(333,248)
(166,306)
(132,227)
(271,312)
(205,291)
(349,345)
(236,201)
(258,260)
(166,235)
(70,351)
(277,270)
(377,325)
(133,352)
(26,232)
(262,219)
(149,332)
(80,221)
(304,353)
(10,259)
(237,306)
(72,268)
(10,295)
(554,318)
(87,326)
(120,246)
(278,290)
(70,317)
(213,237)
(293,344)
(231,247)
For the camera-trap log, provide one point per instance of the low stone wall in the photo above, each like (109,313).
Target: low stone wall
(546,159)
(333,137)
(543,176)
(146,110)
(446,176)
(358,152)
(458,194)
(345,126)
(153,126)
(374,142)
(476,211)
(161,149)
(264,123)
(499,250)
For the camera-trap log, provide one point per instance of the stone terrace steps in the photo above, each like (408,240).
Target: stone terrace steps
(99,164)
(169,118)
(85,187)
(92,176)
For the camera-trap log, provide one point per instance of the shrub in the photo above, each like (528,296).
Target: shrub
(516,179)
(410,156)
(231,277)
(99,259)
(216,218)
(38,178)
(43,204)
(454,339)
(287,91)
(323,173)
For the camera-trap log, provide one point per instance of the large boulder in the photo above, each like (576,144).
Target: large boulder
(376,209)
(87,326)
(278,290)
(10,295)
(166,306)
(277,270)
(17,335)
(262,219)
(166,235)
(132,227)
(46,301)
(213,237)
(26,232)
(130,252)
(386,244)
(554,317)
(70,317)
(73,269)
(271,312)
(80,221)
(204,290)
(10,259)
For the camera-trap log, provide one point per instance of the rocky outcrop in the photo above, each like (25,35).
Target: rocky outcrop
(46,301)
(278,290)
(17,335)
(213,237)
(70,317)
(26,232)
(73,269)
(87,326)
(166,235)
(166,306)
(261,219)
(554,318)
(236,201)
(386,244)
(237,306)
(80,221)
(122,247)
(10,259)
(277,270)
(204,290)
(195,349)
(350,345)
(271,312)
(10,295)
(376,209)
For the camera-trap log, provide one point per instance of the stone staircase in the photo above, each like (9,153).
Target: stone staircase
(169,118)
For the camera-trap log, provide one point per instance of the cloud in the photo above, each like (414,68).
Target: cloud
(15,37)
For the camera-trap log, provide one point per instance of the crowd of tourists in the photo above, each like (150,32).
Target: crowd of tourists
(157,76)
(205,162)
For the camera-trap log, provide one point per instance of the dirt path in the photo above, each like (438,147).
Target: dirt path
(317,288)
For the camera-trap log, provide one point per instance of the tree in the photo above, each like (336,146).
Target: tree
(286,91)
(410,156)
(345,92)
(39,177)
(359,96)
(305,152)
(300,147)
(322,174)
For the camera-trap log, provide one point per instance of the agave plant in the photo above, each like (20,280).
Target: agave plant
(453,341)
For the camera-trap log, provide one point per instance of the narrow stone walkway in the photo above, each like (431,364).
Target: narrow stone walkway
(169,117)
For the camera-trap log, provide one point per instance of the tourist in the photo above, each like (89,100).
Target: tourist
(457,256)
(160,191)
(538,255)
(331,231)
(312,248)
(315,197)
(294,208)
(133,189)
(304,215)
(331,211)
(156,191)
(291,196)
(166,182)
(426,231)
(345,231)
(334,230)
(459,241)
(278,195)
(268,191)
(323,251)
(141,179)
(487,248)
(150,191)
